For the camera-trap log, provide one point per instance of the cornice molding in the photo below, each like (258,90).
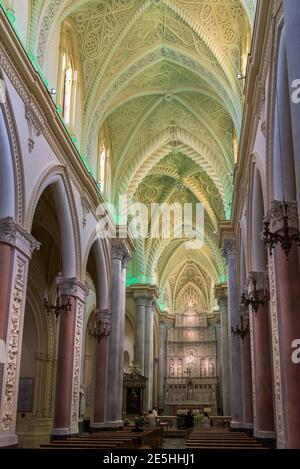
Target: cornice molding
(255,95)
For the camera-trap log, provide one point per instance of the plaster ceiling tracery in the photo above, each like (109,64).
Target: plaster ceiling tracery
(162,76)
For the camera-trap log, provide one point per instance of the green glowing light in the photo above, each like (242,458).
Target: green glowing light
(223,279)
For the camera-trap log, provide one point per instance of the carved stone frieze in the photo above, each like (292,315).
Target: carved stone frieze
(276,213)
(76,363)
(10,372)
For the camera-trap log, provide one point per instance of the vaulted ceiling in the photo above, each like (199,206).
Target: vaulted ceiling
(162,75)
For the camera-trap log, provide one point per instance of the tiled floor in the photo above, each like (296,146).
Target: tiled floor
(174,443)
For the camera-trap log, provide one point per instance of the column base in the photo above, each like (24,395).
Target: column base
(8,441)
(62,433)
(236,426)
(247,428)
(268,438)
(114,424)
(94,426)
(264,435)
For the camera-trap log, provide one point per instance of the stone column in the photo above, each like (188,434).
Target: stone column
(148,357)
(161,364)
(236,400)
(287,300)
(221,295)
(120,255)
(155,378)
(16,248)
(262,376)
(100,372)
(66,406)
(247,379)
(139,352)
(125,261)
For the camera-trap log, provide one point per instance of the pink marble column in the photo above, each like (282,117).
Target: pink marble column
(16,248)
(247,384)
(287,275)
(68,361)
(262,380)
(264,394)
(101,357)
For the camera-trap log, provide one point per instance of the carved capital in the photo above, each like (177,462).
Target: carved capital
(140,299)
(229,247)
(221,293)
(276,213)
(72,287)
(120,251)
(102,317)
(262,279)
(13,234)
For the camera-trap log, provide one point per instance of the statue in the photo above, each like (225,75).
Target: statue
(211,368)
(171,368)
(81,402)
(203,367)
(179,368)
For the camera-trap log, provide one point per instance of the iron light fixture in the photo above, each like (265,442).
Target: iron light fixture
(285,239)
(242,329)
(58,307)
(256,298)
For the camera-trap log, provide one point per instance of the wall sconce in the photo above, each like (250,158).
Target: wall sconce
(255,298)
(58,307)
(241,329)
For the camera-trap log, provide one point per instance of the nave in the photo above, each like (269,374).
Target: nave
(149,233)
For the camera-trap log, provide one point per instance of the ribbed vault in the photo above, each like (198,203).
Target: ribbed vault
(162,77)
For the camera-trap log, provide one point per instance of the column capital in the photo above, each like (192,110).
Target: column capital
(262,279)
(120,251)
(103,317)
(229,247)
(72,287)
(140,299)
(13,234)
(221,293)
(148,292)
(276,213)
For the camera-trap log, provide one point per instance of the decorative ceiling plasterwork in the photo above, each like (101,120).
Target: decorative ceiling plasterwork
(149,65)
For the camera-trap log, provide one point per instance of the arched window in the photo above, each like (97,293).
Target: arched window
(68,80)
(103,161)
(68,94)
(101,167)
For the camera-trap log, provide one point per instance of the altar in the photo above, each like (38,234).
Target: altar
(191,381)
